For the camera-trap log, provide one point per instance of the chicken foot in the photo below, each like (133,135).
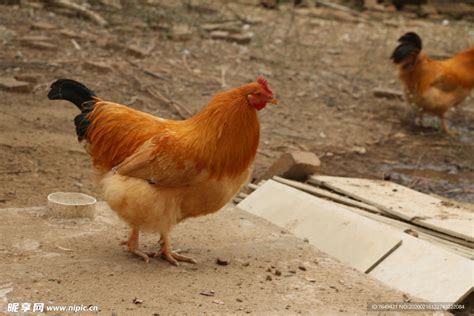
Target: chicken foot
(169,255)
(444,127)
(132,244)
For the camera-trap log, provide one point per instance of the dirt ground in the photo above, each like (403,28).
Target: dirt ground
(80,262)
(323,67)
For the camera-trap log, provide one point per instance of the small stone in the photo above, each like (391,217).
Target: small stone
(97,66)
(296,165)
(32,78)
(246,264)
(268,278)
(208,293)
(138,51)
(292,271)
(222,262)
(78,184)
(11,84)
(277,272)
(387,94)
(180,32)
(239,300)
(302,267)
(359,150)
(137,301)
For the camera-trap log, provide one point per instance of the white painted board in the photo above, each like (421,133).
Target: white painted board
(358,241)
(424,270)
(406,203)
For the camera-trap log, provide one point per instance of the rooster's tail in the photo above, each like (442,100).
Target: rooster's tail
(81,96)
(410,46)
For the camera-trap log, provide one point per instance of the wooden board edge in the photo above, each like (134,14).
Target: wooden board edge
(443,230)
(313,179)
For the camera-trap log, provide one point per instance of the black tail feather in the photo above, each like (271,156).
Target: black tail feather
(81,96)
(70,90)
(412,38)
(410,44)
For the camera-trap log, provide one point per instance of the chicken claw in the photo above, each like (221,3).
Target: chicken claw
(444,126)
(132,244)
(172,256)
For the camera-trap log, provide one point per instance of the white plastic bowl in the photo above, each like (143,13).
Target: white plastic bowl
(71,205)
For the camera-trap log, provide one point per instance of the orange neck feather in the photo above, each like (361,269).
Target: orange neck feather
(224,136)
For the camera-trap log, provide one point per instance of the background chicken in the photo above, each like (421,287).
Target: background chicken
(434,86)
(155,172)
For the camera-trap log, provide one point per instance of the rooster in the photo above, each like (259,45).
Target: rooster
(435,86)
(154,172)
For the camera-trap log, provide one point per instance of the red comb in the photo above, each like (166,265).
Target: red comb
(264,83)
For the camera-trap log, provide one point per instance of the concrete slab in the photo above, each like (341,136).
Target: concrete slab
(358,241)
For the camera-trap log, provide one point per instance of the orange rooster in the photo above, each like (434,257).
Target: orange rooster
(155,172)
(435,86)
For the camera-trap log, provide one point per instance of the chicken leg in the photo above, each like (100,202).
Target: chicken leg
(169,255)
(444,127)
(132,244)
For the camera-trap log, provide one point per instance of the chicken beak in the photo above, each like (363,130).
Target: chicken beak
(273,101)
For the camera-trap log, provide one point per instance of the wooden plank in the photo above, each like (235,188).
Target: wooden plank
(239,197)
(252,186)
(454,244)
(423,233)
(358,241)
(427,271)
(405,203)
(326,194)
